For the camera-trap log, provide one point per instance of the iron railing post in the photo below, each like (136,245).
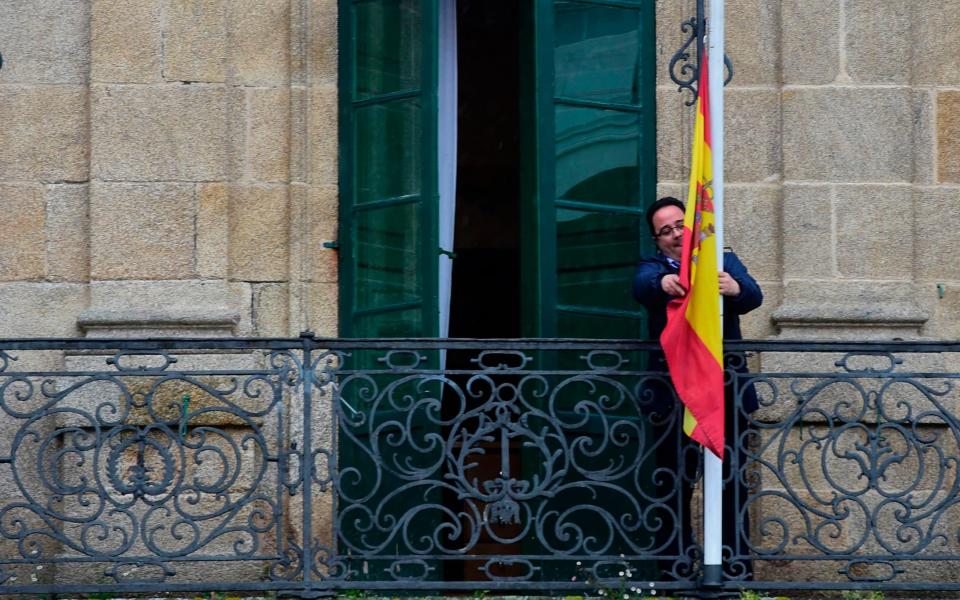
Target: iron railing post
(313,588)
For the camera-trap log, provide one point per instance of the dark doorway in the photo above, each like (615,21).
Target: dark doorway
(486,295)
(485,298)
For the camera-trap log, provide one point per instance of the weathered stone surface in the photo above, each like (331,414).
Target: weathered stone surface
(758,324)
(268,135)
(271,310)
(322,125)
(22,231)
(874,231)
(166,322)
(41,309)
(169,295)
(751,227)
(810,41)
(674,128)
(831,134)
(675,189)
(322,208)
(936,27)
(752,135)
(935,207)
(948,136)
(301,255)
(669,15)
(174,301)
(237,110)
(849,309)
(943,323)
(68,225)
(45,42)
(323,308)
(924,137)
(45,133)
(878,44)
(195,40)
(299,134)
(258,42)
(170,132)
(808,231)
(323,36)
(125,41)
(213,241)
(752,41)
(141,231)
(259,232)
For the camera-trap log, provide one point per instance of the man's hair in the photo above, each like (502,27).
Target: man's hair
(665,201)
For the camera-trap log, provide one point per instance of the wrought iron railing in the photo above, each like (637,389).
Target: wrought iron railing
(307,466)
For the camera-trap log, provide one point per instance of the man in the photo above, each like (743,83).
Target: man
(656,283)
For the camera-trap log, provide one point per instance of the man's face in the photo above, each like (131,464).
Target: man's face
(668,228)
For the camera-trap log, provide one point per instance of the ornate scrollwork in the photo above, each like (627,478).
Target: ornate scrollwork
(143,466)
(574,451)
(682,70)
(387,465)
(861,469)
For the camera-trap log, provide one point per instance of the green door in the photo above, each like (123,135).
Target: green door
(388,285)
(388,169)
(588,171)
(592,145)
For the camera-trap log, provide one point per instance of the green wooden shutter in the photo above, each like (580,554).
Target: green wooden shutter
(593,147)
(388,278)
(388,172)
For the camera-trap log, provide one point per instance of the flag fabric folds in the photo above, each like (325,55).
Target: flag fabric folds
(692,340)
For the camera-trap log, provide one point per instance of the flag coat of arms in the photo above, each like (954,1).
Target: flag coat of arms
(692,340)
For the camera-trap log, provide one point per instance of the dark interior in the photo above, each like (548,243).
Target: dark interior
(485,298)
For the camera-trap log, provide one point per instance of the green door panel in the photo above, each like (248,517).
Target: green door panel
(591,139)
(388,168)
(388,285)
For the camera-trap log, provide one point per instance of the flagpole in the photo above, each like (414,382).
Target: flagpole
(713,467)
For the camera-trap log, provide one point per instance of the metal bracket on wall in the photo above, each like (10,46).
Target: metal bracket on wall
(685,73)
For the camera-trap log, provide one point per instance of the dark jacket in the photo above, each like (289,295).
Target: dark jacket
(647,290)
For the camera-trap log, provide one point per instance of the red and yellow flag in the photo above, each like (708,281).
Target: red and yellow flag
(693,339)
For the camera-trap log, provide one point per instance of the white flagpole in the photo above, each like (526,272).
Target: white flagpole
(713,467)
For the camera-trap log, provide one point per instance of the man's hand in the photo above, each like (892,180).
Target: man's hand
(671,285)
(728,285)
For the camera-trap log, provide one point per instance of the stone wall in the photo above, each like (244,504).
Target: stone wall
(842,161)
(170,166)
(167,166)
(169,159)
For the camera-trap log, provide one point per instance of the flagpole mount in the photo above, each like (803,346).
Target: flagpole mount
(685,64)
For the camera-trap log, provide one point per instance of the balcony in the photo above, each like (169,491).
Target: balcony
(306,466)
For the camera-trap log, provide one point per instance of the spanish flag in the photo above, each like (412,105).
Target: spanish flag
(692,340)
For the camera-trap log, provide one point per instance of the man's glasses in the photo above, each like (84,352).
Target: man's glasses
(668,229)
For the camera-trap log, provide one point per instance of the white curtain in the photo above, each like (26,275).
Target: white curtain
(447,150)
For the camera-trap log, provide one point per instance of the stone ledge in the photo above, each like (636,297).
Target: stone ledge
(891,315)
(144,322)
(848,309)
